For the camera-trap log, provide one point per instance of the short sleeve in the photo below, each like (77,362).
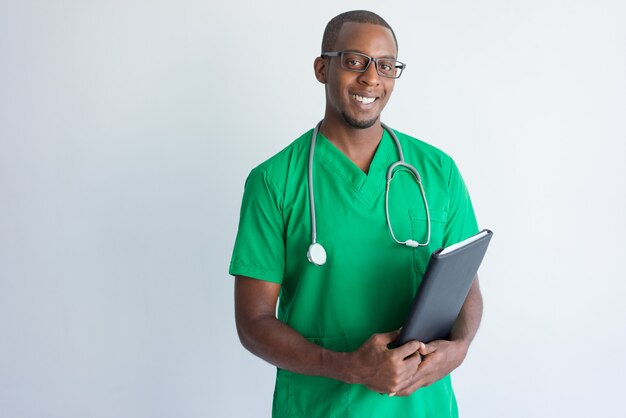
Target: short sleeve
(259,250)
(461,222)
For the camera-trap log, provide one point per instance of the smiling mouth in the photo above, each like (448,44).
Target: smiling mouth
(364,100)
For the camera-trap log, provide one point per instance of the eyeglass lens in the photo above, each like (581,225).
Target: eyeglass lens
(354,61)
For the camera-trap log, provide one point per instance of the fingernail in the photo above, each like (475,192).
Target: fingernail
(392,394)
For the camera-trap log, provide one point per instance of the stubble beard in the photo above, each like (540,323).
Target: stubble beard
(359,124)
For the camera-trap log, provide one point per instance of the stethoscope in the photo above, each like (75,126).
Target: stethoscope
(316,253)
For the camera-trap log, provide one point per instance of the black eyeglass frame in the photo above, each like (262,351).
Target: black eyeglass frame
(399,65)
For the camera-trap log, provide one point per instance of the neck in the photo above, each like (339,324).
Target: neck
(359,145)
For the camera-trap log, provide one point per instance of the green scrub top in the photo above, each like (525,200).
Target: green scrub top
(368,281)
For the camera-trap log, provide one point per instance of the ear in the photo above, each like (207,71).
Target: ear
(319,65)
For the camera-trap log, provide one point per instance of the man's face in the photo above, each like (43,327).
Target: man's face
(349,94)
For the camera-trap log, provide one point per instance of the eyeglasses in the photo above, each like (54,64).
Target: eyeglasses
(355,61)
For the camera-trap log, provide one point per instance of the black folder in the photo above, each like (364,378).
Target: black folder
(445,285)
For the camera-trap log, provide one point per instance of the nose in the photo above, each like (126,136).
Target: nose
(370,76)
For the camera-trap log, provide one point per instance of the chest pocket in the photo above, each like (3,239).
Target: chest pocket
(419,227)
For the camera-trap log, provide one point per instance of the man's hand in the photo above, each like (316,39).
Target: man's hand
(440,358)
(382,369)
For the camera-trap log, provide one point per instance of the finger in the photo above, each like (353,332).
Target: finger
(429,348)
(409,370)
(407,349)
(413,382)
(405,372)
(413,361)
(429,371)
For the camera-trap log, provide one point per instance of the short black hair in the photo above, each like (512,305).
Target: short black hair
(355,16)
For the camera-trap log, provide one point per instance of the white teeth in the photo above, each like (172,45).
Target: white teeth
(364,100)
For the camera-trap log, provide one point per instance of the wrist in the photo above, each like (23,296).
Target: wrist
(461,348)
(338,366)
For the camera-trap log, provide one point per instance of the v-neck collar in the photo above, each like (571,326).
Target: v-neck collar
(337,164)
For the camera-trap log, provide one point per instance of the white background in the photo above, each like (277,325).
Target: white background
(127,129)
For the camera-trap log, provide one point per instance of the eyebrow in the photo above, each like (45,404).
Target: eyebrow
(361,52)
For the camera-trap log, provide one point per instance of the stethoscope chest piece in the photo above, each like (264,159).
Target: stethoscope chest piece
(316,254)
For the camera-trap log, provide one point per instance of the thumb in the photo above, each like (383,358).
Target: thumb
(429,348)
(391,335)
(388,337)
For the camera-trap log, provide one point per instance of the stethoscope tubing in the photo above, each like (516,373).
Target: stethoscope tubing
(316,253)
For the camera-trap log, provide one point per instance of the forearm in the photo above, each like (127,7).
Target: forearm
(468,321)
(279,344)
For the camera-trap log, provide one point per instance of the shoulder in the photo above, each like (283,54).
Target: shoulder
(422,153)
(278,167)
(281,162)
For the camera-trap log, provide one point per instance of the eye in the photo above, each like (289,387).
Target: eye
(386,67)
(354,61)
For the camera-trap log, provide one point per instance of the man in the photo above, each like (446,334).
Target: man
(336,321)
